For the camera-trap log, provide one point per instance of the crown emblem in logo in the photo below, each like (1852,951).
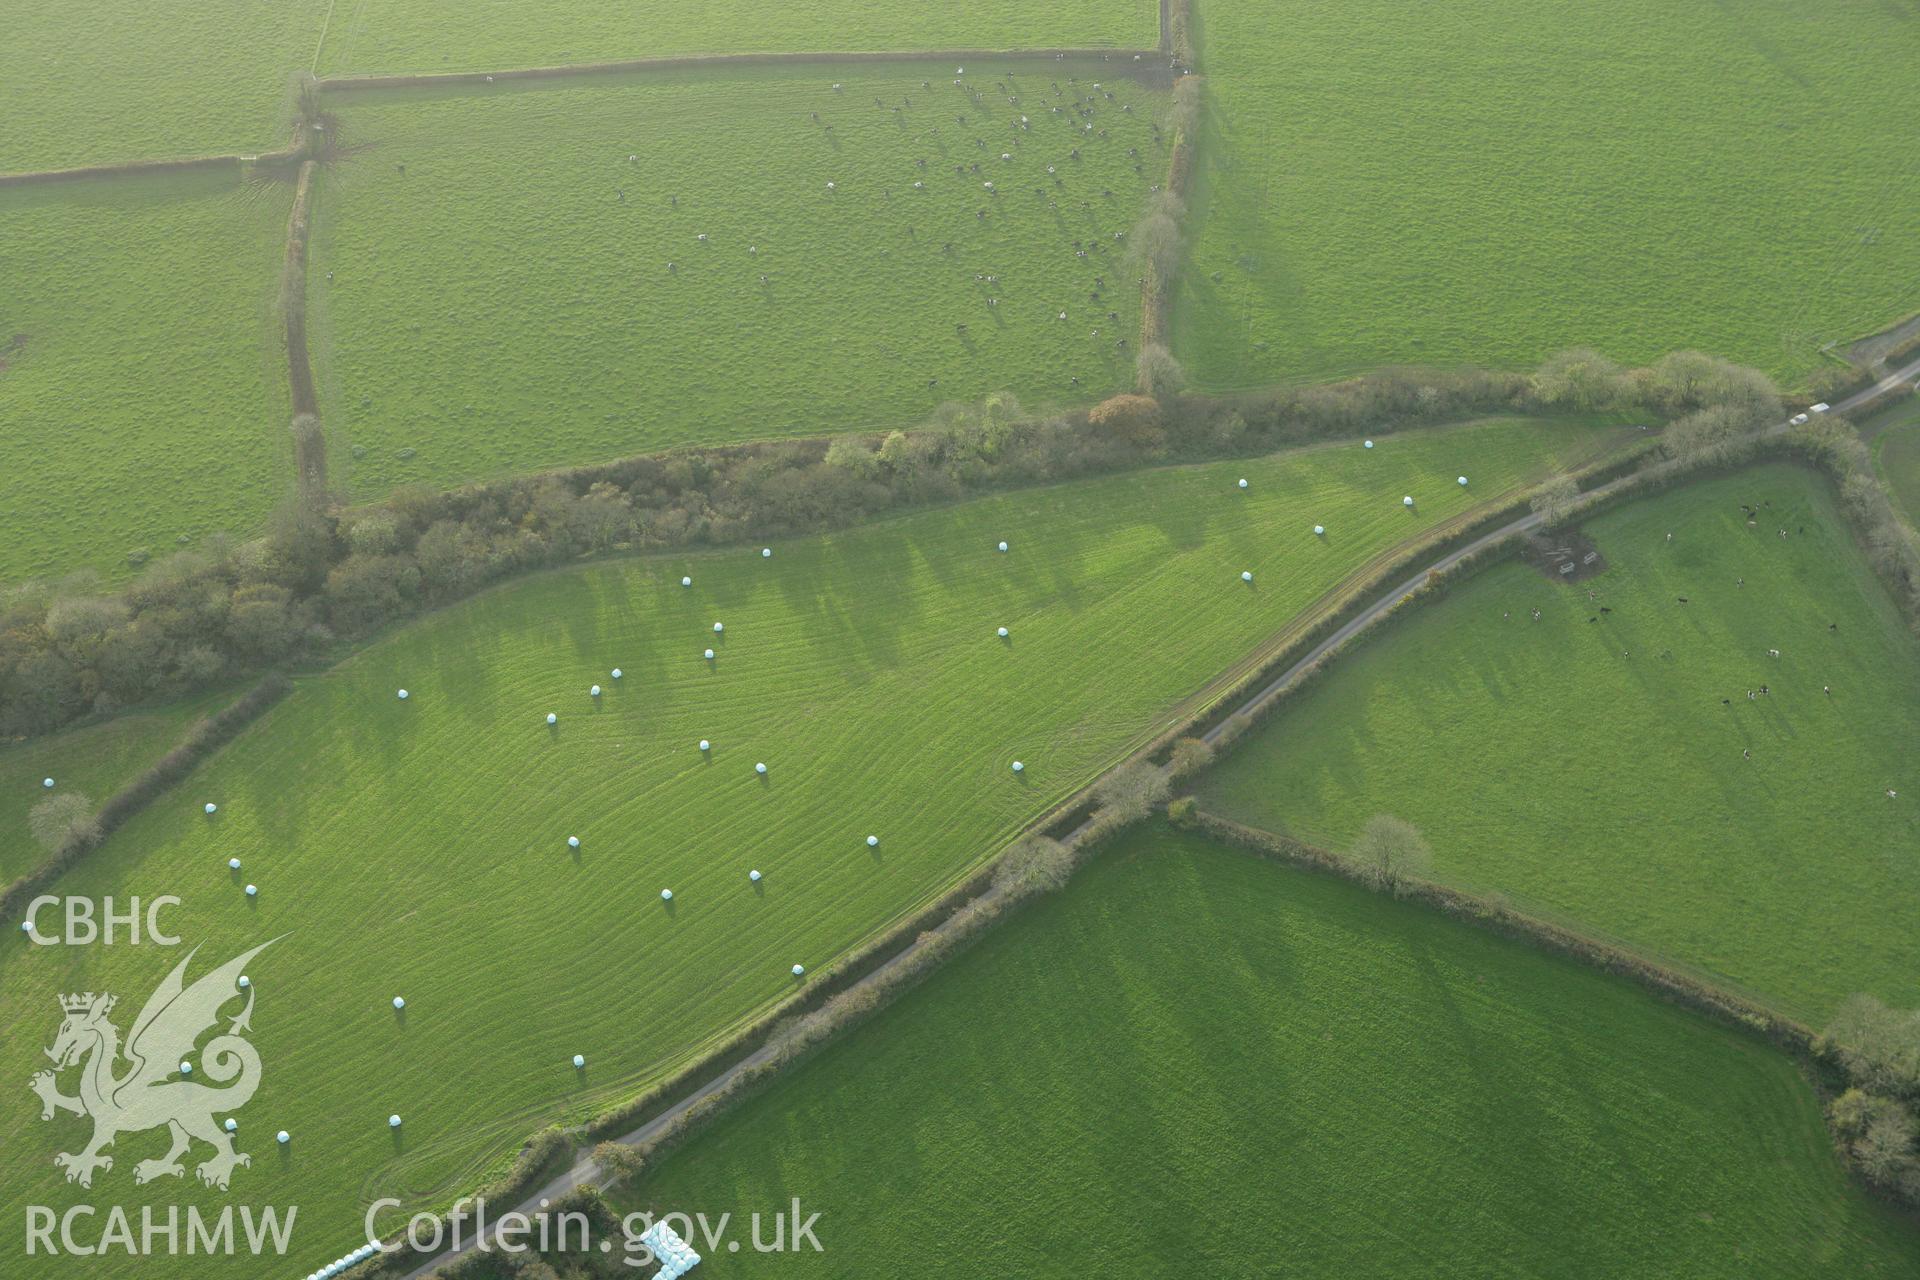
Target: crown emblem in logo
(148,1095)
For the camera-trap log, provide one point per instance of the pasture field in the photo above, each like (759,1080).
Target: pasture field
(1493,181)
(143,387)
(514,280)
(1590,769)
(1896,454)
(418,848)
(120,80)
(436,35)
(95,760)
(1315,1081)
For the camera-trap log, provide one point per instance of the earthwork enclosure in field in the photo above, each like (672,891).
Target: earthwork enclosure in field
(693,513)
(837,653)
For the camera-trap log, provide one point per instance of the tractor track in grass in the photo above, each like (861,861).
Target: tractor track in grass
(587,1172)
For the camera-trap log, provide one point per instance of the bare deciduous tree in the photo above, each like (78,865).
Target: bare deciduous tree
(1155,241)
(1580,379)
(1037,864)
(59,819)
(1159,373)
(1553,500)
(1713,434)
(1689,380)
(621,1163)
(1131,791)
(1886,1150)
(1390,852)
(1878,1045)
(1190,755)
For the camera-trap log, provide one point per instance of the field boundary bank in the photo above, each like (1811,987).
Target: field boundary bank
(1176,32)
(442,79)
(733,517)
(719,61)
(730,1048)
(202,739)
(293,280)
(886,961)
(139,169)
(309,441)
(1156,285)
(1691,991)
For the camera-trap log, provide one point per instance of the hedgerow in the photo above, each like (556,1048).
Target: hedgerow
(321,576)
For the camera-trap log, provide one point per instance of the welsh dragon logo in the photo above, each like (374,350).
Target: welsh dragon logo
(151,1091)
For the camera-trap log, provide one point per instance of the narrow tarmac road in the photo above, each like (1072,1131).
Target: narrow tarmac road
(1525,524)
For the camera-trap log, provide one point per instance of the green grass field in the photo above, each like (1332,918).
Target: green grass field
(122,80)
(96,761)
(510,292)
(1492,181)
(143,388)
(118,81)
(419,848)
(1314,1081)
(1896,454)
(1590,770)
(435,35)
